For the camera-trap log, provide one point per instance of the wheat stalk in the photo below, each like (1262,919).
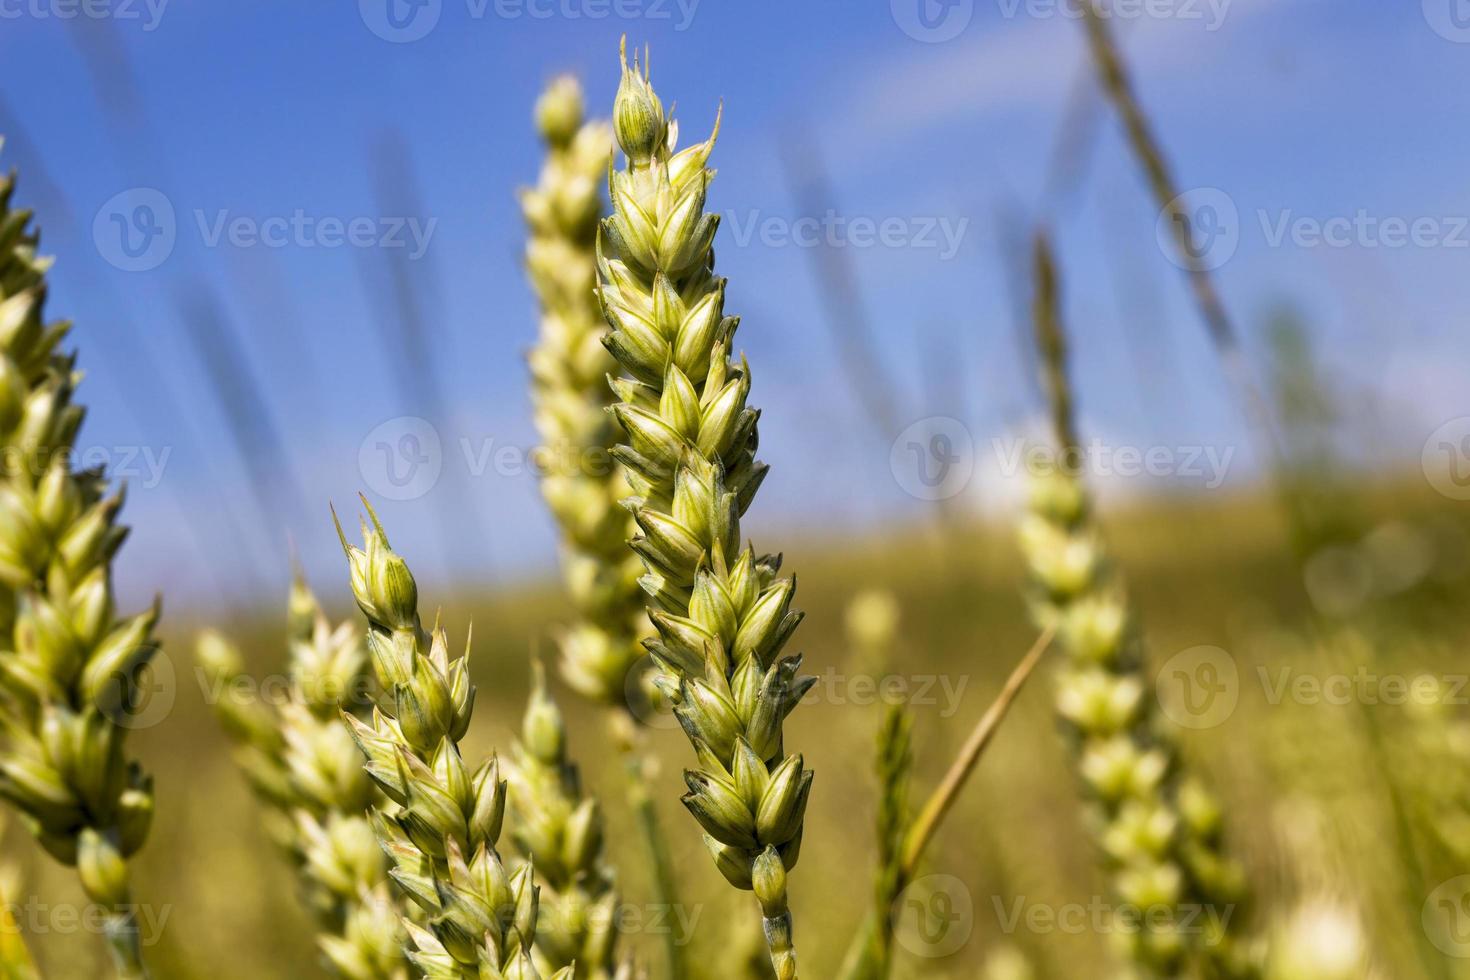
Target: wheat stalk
(871,620)
(1159,828)
(67,686)
(1116,83)
(860,960)
(722,615)
(440,836)
(894,764)
(305,767)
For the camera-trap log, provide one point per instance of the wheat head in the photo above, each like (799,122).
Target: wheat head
(1159,828)
(441,831)
(721,614)
(70,668)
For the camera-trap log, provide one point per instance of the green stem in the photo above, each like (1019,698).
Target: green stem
(1416,881)
(121,932)
(776,924)
(645,813)
(864,956)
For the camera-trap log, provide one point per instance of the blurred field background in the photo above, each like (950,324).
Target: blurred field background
(267,377)
(1307,805)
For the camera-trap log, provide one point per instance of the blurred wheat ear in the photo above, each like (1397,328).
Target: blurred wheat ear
(68,686)
(552,821)
(1159,829)
(601,652)
(303,765)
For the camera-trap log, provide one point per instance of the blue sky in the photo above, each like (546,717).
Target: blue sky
(1292,112)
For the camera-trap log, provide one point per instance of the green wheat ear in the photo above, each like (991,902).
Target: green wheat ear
(442,825)
(71,670)
(722,614)
(303,764)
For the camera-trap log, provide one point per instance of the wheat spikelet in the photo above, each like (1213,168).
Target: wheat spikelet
(722,615)
(305,767)
(441,833)
(1159,829)
(69,675)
